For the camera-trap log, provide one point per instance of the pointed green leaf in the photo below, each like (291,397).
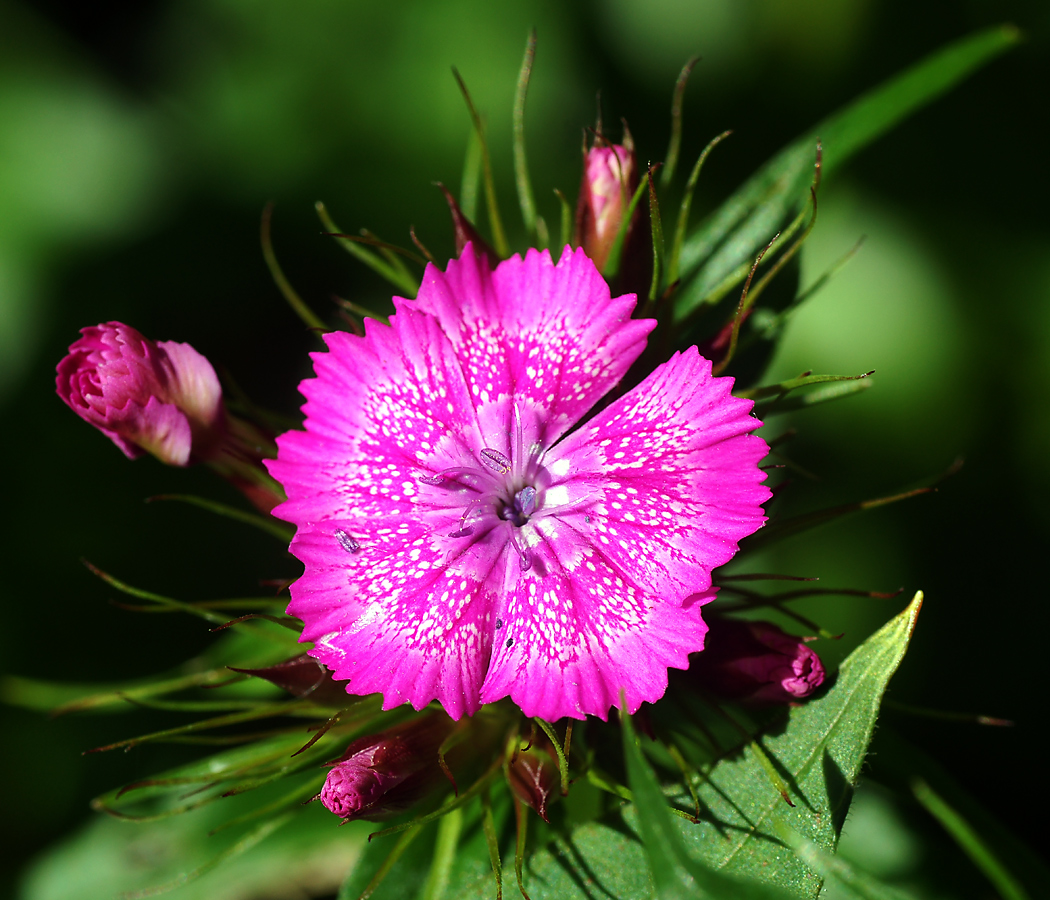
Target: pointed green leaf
(746,221)
(818,754)
(676,874)
(279,530)
(109,859)
(857,883)
(970,841)
(897,763)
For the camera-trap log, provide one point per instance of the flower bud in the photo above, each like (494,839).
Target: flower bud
(303,676)
(533,776)
(610,178)
(756,662)
(382,774)
(162,397)
(154,397)
(466,234)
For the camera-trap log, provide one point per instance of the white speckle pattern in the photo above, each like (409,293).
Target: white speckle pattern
(461,544)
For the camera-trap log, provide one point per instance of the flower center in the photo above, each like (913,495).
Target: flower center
(494,489)
(518,509)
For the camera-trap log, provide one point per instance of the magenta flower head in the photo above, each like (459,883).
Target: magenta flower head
(147,397)
(469,533)
(610,177)
(382,774)
(758,663)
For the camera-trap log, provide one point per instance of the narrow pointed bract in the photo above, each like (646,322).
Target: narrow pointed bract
(499,552)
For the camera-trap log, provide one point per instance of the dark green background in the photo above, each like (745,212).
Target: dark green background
(139,142)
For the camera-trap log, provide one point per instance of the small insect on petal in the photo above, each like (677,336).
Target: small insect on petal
(495,461)
(462,532)
(347,542)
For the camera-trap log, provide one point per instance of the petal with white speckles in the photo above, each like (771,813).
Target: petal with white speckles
(676,470)
(570,643)
(533,330)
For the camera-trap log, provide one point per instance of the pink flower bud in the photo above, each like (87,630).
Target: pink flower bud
(155,397)
(382,774)
(757,662)
(609,181)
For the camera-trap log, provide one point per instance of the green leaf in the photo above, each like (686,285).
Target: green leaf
(746,221)
(674,872)
(391,268)
(779,530)
(535,225)
(110,859)
(970,841)
(298,305)
(818,755)
(279,530)
(897,763)
(392,868)
(838,389)
(859,884)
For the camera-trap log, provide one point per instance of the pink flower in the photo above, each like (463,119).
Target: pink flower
(147,397)
(469,534)
(609,181)
(758,663)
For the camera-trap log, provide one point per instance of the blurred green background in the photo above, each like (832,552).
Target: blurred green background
(139,142)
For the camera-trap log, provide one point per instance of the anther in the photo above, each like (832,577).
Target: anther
(347,542)
(525,500)
(495,461)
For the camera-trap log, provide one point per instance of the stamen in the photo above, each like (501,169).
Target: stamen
(495,461)
(525,500)
(452,474)
(347,542)
(524,554)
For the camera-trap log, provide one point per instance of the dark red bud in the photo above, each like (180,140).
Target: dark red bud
(303,676)
(466,233)
(756,662)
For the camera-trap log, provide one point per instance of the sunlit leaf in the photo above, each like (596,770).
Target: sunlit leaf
(818,754)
